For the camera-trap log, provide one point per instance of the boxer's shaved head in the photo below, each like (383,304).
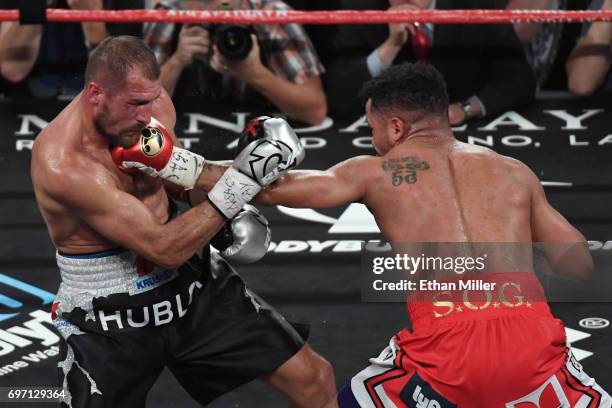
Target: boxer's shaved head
(116,57)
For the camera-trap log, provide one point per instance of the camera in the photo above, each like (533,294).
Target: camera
(233,40)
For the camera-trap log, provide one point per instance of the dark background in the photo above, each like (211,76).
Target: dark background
(319,288)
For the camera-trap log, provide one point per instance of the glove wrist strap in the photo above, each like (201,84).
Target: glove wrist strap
(231,192)
(183,169)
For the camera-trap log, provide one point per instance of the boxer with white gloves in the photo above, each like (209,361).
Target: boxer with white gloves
(270,147)
(267,148)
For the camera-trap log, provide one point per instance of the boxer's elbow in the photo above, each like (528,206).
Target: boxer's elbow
(170,263)
(171,259)
(579,266)
(165,255)
(584,270)
(582,262)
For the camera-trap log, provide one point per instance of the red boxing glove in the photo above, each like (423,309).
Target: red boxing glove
(153,149)
(155,155)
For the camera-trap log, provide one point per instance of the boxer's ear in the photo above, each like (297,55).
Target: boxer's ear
(94,93)
(396,129)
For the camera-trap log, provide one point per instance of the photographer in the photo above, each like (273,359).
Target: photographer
(280,65)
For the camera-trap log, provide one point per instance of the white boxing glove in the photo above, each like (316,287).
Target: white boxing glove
(267,147)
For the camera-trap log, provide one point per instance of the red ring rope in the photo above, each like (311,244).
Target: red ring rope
(320,17)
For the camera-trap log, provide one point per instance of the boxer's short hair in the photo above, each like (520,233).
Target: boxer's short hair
(408,87)
(115,57)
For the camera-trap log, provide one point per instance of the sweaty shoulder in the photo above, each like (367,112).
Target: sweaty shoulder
(59,163)
(359,165)
(62,135)
(500,165)
(60,174)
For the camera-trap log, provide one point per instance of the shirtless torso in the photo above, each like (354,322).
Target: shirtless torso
(449,196)
(89,205)
(438,190)
(70,148)
(426,187)
(67,146)
(113,307)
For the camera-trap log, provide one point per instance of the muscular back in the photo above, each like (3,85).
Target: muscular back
(448,192)
(442,191)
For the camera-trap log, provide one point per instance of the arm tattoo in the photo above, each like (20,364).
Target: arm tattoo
(404,169)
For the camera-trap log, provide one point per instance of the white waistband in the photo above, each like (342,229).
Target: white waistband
(116,270)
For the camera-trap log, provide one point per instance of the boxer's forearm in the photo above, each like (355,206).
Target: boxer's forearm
(180,238)
(291,189)
(212,172)
(307,188)
(288,190)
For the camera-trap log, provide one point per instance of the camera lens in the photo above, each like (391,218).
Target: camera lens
(234,41)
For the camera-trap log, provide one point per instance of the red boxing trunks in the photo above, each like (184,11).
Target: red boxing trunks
(505,350)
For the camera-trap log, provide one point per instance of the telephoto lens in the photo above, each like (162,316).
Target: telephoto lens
(233,41)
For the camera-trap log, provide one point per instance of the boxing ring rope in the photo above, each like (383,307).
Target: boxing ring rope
(320,17)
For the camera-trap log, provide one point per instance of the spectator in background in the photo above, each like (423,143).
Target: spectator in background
(540,40)
(282,67)
(526,30)
(588,66)
(484,65)
(48,60)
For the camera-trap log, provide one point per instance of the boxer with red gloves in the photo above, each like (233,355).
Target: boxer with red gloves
(268,147)
(155,154)
(140,289)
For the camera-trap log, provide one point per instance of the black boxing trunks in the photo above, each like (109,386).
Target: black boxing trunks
(122,320)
